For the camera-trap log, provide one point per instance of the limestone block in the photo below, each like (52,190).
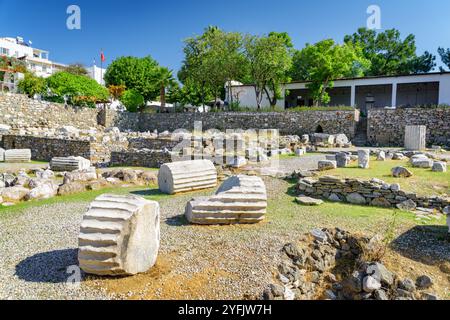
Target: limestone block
(2,154)
(381,156)
(342,159)
(119,235)
(69,163)
(186,176)
(415,137)
(439,166)
(240,199)
(422,163)
(364,159)
(341,139)
(300,151)
(327,165)
(17,155)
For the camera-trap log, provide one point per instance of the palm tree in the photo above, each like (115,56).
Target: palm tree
(164,79)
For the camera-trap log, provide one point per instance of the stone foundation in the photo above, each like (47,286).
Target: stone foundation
(140,158)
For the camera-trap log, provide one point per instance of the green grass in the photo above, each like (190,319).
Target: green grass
(423,181)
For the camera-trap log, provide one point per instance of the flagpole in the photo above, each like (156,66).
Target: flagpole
(101,68)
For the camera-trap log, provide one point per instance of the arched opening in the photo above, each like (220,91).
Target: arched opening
(319,129)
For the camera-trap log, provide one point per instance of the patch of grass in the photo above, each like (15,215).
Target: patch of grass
(423,182)
(132,168)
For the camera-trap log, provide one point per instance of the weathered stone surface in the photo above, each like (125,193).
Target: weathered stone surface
(401,172)
(69,163)
(415,137)
(381,202)
(80,175)
(439,166)
(186,176)
(342,159)
(119,235)
(240,199)
(422,162)
(407,205)
(71,188)
(307,201)
(44,190)
(17,155)
(381,156)
(371,284)
(424,282)
(356,198)
(364,159)
(327,165)
(341,139)
(2,155)
(17,193)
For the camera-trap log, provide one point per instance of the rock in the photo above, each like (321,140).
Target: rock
(300,152)
(240,199)
(307,201)
(119,235)
(327,165)
(380,295)
(407,284)
(322,138)
(71,188)
(364,159)
(408,205)
(381,273)
(445,267)
(370,284)
(380,202)
(424,282)
(422,162)
(439,166)
(342,159)
(398,156)
(395,187)
(334,198)
(4,129)
(185,176)
(43,191)
(354,284)
(17,155)
(276,290)
(45,174)
(2,155)
(356,198)
(341,139)
(401,172)
(14,194)
(429,296)
(329,294)
(381,156)
(69,163)
(319,235)
(148,177)
(114,130)
(80,175)
(238,162)
(69,131)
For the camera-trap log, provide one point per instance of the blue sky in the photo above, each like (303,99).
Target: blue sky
(158,27)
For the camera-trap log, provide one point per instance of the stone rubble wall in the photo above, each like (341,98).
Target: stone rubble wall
(373,192)
(140,158)
(387,127)
(153,144)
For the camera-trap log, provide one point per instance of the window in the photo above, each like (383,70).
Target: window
(4,51)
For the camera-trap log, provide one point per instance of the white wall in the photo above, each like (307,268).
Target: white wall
(97,74)
(247,97)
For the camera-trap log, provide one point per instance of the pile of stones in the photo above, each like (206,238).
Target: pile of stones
(374,192)
(334,264)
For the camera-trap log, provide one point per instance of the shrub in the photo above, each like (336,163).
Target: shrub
(32,85)
(132,100)
(80,90)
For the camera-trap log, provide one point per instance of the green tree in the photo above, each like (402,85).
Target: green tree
(76,69)
(269,60)
(211,60)
(325,61)
(445,57)
(389,54)
(132,100)
(135,73)
(80,90)
(31,85)
(164,80)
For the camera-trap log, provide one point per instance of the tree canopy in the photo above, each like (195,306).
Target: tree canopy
(77,69)
(139,74)
(389,54)
(445,57)
(324,61)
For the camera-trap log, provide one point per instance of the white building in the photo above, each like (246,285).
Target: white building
(97,74)
(363,93)
(38,61)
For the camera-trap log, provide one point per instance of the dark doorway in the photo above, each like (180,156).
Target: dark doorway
(319,129)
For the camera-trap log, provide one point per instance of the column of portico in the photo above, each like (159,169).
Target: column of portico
(394,94)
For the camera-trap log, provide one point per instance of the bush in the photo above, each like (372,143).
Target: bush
(32,85)
(132,100)
(80,90)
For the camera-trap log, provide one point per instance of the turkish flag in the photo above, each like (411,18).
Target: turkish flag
(102,56)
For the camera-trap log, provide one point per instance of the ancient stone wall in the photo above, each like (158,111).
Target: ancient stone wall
(387,127)
(375,192)
(21,112)
(44,149)
(152,144)
(140,158)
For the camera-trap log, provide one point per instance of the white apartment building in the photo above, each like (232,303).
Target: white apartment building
(38,61)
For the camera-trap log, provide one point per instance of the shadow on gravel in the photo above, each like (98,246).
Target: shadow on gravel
(177,221)
(47,267)
(425,244)
(148,193)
